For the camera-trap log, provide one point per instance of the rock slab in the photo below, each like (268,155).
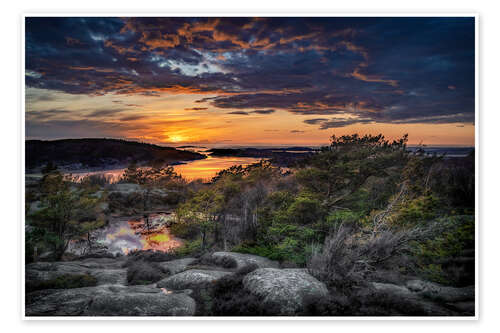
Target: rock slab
(109,300)
(191,279)
(176,266)
(243,259)
(286,289)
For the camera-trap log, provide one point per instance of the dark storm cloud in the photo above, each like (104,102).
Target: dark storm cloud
(336,123)
(243,113)
(314,121)
(385,70)
(269,111)
(196,109)
(255,112)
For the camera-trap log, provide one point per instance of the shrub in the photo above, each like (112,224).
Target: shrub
(338,217)
(99,180)
(420,209)
(66,281)
(305,209)
(141,272)
(444,258)
(188,248)
(185,230)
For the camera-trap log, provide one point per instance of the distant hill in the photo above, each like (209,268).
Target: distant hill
(96,153)
(284,157)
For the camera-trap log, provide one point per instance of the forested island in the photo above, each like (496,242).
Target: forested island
(361,227)
(100,153)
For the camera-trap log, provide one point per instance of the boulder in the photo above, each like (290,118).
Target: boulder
(243,259)
(62,302)
(465,308)
(406,300)
(109,300)
(441,293)
(145,304)
(391,288)
(105,270)
(42,271)
(176,266)
(110,276)
(101,262)
(286,289)
(191,279)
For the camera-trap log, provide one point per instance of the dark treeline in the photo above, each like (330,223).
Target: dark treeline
(100,152)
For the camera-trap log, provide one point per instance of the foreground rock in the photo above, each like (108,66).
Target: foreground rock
(243,259)
(158,304)
(441,293)
(105,270)
(415,297)
(191,279)
(286,289)
(176,266)
(109,300)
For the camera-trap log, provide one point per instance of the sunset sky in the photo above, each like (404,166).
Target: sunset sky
(250,81)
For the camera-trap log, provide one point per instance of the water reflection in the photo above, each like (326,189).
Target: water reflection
(208,168)
(199,169)
(129,234)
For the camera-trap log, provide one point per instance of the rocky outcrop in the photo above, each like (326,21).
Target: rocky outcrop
(176,266)
(191,279)
(286,289)
(136,304)
(441,293)
(243,259)
(105,270)
(109,300)
(430,299)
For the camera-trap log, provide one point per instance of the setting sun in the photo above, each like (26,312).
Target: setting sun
(176,138)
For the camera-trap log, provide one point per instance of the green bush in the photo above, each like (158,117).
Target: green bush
(420,209)
(184,230)
(440,258)
(339,217)
(305,209)
(189,247)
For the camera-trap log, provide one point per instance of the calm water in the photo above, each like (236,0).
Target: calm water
(128,234)
(199,169)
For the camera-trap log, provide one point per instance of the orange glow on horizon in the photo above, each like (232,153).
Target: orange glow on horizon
(174,119)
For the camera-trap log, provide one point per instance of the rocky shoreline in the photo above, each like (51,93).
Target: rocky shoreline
(287,291)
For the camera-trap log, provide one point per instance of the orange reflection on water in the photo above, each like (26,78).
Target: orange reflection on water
(154,238)
(204,169)
(208,168)
(133,234)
